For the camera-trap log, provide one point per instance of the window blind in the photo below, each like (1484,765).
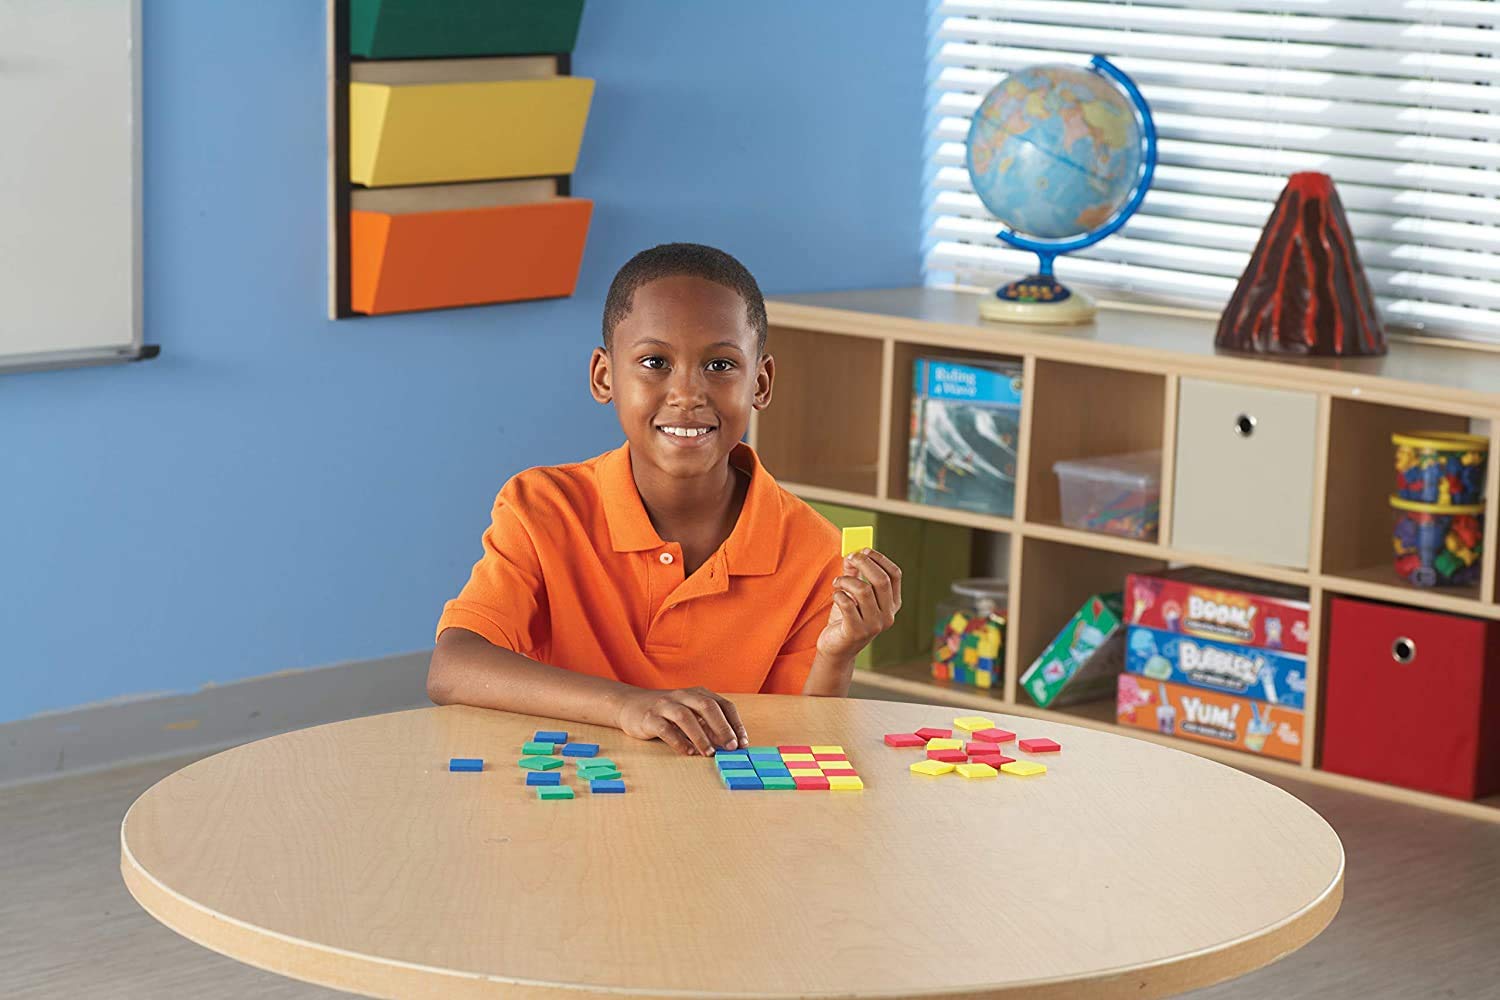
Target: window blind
(1396,100)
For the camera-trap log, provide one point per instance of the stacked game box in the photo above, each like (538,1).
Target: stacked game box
(965,420)
(1216,658)
(1081,663)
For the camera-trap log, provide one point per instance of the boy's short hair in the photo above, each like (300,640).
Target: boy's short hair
(695,259)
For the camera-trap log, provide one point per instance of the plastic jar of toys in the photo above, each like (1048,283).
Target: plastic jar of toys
(968,643)
(1437,546)
(1440,467)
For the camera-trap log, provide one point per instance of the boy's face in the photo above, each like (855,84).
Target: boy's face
(684,374)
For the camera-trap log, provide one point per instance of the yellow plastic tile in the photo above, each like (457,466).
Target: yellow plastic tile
(805,772)
(969,723)
(830,766)
(858,538)
(933,767)
(844,783)
(827,749)
(790,757)
(945,744)
(1023,768)
(976,770)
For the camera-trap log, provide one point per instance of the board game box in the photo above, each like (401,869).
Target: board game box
(1081,663)
(1209,717)
(1259,674)
(1219,606)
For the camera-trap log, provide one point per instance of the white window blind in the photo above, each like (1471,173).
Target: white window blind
(1396,100)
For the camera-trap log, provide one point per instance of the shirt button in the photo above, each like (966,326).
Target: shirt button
(666,558)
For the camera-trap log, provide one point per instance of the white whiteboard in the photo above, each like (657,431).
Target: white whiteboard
(70,182)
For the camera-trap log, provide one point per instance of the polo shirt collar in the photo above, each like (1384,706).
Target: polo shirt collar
(752,548)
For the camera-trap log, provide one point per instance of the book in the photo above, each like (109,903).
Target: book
(965,423)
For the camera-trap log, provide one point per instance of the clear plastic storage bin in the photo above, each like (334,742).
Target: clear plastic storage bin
(1114,494)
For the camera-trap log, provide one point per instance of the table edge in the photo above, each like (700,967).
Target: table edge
(370,975)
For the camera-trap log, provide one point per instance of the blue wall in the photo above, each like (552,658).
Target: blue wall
(279,491)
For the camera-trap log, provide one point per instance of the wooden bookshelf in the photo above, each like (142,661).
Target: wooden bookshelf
(837,432)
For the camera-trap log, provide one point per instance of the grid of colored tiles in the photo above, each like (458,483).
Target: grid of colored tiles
(804,768)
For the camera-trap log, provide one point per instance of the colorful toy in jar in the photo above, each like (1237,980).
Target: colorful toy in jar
(1446,468)
(1436,545)
(969,637)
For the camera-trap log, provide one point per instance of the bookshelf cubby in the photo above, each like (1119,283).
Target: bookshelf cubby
(837,431)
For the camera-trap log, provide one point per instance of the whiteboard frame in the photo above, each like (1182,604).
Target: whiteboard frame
(136,350)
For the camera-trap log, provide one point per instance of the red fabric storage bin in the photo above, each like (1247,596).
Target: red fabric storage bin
(1413,698)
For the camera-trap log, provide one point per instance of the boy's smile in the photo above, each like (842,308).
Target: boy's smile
(684,371)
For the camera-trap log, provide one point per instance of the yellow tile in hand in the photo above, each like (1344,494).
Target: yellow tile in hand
(1023,768)
(858,538)
(933,767)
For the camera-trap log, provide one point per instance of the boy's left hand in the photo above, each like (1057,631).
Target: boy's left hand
(865,602)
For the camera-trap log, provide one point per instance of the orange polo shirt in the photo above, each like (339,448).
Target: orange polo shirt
(573,574)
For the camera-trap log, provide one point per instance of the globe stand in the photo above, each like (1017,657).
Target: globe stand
(1041,298)
(1037,298)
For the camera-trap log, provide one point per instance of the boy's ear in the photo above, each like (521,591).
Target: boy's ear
(599,376)
(765,375)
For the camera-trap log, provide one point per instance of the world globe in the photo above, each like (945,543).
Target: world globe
(1062,156)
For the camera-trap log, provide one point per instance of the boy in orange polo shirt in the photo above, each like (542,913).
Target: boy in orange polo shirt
(637,588)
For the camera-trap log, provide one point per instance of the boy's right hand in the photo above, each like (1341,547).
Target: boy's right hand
(689,720)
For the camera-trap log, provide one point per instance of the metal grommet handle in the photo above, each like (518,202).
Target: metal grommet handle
(1403,650)
(1244,425)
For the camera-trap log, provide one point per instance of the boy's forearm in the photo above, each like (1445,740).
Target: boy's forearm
(829,677)
(468,669)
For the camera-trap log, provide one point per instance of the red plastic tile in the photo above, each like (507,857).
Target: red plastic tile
(1039,745)
(994,735)
(806,749)
(992,759)
(935,734)
(830,756)
(904,740)
(976,746)
(948,756)
(811,784)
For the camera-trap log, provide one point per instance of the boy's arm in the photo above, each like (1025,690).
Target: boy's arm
(468,669)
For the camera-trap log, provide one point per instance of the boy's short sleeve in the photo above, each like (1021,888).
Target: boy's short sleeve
(794,662)
(505,598)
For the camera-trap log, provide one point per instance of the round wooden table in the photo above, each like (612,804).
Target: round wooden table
(348,855)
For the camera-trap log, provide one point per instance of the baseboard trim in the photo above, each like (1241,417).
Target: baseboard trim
(94,737)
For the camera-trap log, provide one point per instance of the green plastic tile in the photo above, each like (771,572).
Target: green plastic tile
(583,762)
(773,782)
(603,773)
(534,748)
(540,763)
(555,792)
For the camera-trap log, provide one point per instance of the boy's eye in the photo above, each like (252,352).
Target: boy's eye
(725,363)
(654,362)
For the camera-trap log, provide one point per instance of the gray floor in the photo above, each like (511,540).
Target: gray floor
(1421,914)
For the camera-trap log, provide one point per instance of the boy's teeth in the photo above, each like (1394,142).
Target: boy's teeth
(687,431)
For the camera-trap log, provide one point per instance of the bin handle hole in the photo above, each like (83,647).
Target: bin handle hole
(1403,650)
(1244,425)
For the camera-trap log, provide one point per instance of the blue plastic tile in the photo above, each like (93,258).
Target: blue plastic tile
(466,764)
(772,772)
(550,736)
(543,778)
(580,750)
(607,785)
(743,784)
